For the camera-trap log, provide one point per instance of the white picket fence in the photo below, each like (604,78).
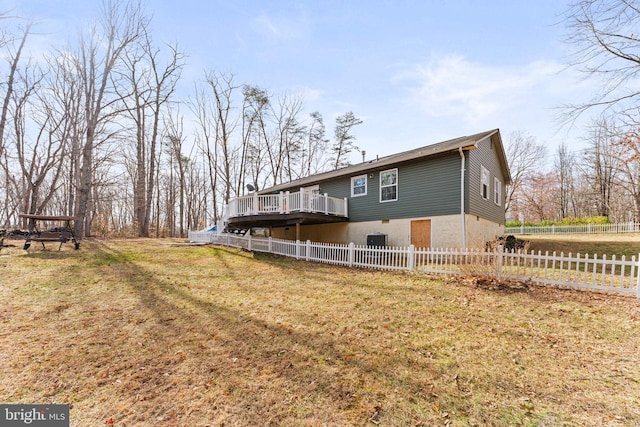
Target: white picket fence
(626,227)
(619,275)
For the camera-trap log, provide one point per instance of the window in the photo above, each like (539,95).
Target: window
(497,191)
(359,186)
(389,185)
(484,183)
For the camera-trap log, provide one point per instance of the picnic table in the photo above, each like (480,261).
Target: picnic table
(61,234)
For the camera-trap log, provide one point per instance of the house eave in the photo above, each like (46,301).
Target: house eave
(467,143)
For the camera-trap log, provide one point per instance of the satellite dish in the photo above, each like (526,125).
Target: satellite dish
(250,187)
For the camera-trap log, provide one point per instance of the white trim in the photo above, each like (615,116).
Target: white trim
(387,186)
(353,178)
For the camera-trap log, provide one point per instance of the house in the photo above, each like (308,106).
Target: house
(446,195)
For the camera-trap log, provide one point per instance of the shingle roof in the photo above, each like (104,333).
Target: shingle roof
(429,150)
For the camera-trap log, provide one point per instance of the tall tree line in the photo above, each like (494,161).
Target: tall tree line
(604,178)
(601,178)
(96,130)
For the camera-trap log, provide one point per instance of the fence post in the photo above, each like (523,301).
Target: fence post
(352,254)
(638,278)
(249,244)
(270,245)
(499,261)
(308,250)
(411,262)
(297,249)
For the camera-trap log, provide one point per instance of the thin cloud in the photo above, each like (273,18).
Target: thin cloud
(451,85)
(282,28)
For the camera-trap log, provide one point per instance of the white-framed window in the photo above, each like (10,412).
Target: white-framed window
(497,191)
(389,185)
(359,186)
(484,182)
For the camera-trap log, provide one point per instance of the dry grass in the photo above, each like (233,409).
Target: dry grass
(627,244)
(136,333)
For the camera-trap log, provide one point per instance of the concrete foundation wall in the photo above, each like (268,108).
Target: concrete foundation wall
(481,230)
(445,231)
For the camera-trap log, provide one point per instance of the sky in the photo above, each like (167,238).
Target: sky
(416,72)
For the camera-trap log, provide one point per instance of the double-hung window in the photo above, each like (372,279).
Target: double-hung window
(497,191)
(359,186)
(484,182)
(389,185)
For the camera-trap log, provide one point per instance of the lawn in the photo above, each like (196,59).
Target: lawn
(627,244)
(139,333)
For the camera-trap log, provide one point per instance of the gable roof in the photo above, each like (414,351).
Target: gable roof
(464,142)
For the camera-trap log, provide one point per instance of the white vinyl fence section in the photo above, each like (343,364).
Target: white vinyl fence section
(620,275)
(627,227)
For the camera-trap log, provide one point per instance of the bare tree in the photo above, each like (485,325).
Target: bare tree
(121,25)
(223,88)
(14,59)
(149,87)
(565,164)
(601,165)
(63,99)
(175,143)
(537,201)
(315,158)
(204,134)
(255,136)
(286,147)
(629,151)
(344,142)
(524,155)
(605,41)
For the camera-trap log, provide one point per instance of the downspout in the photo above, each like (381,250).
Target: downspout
(462,219)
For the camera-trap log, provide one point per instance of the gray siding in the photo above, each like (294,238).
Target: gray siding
(427,188)
(485,155)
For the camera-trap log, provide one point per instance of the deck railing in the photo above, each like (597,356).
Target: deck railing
(619,275)
(287,202)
